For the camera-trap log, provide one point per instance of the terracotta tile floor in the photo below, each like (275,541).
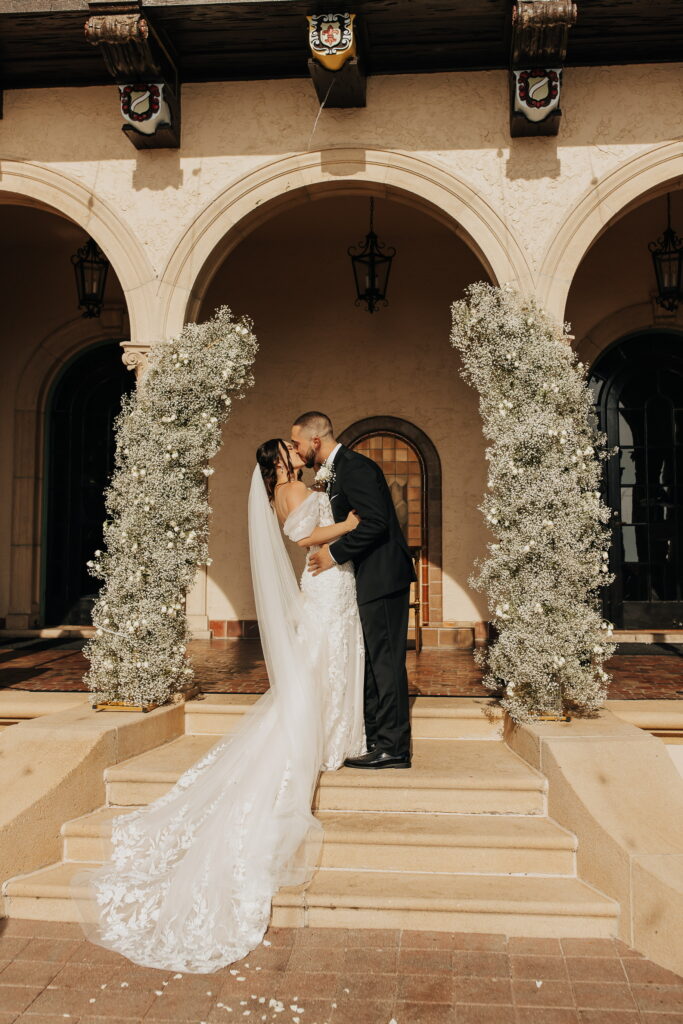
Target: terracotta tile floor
(236,666)
(49,973)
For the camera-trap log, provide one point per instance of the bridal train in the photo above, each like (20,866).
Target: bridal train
(190,879)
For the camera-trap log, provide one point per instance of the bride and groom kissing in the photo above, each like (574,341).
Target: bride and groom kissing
(190,879)
(366,553)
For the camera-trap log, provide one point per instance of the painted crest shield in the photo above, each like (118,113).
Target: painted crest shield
(331,39)
(143,105)
(537,92)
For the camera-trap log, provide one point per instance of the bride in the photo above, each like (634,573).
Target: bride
(190,878)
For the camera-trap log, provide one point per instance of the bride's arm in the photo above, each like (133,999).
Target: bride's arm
(327,534)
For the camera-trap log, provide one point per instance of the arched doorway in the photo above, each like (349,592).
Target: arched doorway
(412,468)
(83,404)
(638,392)
(330,354)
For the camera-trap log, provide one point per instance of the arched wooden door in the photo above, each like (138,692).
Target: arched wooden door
(412,467)
(84,402)
(638,392)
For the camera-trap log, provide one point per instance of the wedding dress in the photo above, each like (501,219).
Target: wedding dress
(190,878)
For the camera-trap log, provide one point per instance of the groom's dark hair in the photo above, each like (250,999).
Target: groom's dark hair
(318,423)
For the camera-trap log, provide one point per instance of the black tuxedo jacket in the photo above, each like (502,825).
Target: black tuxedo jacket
(377,546)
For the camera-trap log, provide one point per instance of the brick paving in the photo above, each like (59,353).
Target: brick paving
(236,666)
(49,973)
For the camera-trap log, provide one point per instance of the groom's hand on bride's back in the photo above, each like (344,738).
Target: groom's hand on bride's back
(320,560)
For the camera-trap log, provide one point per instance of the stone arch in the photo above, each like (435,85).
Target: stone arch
(28,475)
(253,199)
(640,179)
(432,559)
(26,183)
(636,318)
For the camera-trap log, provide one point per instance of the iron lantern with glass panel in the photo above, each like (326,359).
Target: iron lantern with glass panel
(371,261)
(90,266)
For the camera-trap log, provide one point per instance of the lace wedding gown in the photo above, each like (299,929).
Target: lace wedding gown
(190,878)
(336,637)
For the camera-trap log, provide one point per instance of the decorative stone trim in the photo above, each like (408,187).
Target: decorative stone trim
(635,181)
(135,357)
(55,190)
(281,183)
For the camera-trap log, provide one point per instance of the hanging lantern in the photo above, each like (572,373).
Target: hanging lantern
(371,262)
(667,257)
(90,266)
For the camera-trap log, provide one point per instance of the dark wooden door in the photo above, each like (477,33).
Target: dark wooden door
(80,459)
(638,390)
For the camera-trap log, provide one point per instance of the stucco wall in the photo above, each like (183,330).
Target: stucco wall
(458,122)
(318,350)
(530,207)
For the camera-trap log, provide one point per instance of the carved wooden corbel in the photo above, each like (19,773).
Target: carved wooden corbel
(540,33)
(334,65)
(144,70)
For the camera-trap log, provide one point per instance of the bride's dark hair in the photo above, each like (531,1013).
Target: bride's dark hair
(267,456)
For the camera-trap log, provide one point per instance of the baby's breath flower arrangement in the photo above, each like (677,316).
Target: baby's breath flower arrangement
(549,557)
(156,533)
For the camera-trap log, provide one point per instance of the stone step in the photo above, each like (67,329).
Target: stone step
(446,843)
(431,717)
(477,843)
(513,905)
(529,906)
(469,776)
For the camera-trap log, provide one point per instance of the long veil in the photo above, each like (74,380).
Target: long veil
(190,878)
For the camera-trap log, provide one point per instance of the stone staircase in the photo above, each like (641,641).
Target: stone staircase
(461,841)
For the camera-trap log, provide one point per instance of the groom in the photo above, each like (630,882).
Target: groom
(384,572)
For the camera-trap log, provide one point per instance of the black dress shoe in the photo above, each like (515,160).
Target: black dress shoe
(378,759)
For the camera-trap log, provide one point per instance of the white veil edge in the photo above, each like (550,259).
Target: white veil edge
(188,880)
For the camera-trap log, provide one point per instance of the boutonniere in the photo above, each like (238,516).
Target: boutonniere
(323,478)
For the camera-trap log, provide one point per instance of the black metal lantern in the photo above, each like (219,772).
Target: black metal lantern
(667,256)
(371,262)
(90,266)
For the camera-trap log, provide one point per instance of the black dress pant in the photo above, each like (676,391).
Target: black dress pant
(387,719)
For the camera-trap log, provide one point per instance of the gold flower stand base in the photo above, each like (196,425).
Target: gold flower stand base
(192,692)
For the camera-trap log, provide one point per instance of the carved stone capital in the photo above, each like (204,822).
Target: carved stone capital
(134,357)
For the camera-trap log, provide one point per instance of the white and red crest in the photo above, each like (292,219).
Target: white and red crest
(143,105)
(330,34)
(537,92)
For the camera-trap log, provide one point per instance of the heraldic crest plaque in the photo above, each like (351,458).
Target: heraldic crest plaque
(332,39)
